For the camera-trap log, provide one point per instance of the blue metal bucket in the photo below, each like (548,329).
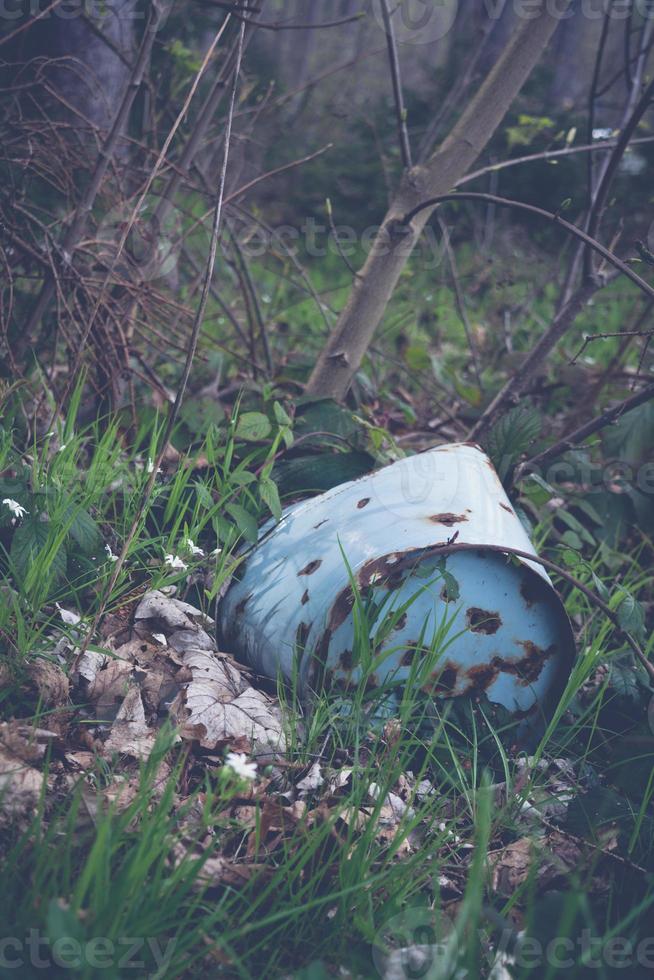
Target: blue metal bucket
(502,628)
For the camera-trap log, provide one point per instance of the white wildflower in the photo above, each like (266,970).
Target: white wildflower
(110,554)
(174,562)
(216,552)
(150,465)
(16,509)
(194,549)
(238,763)
(62,447)
(69,617)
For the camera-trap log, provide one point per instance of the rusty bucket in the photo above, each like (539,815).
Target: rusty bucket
(508,635)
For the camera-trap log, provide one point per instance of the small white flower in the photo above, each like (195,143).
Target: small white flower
(150,465)
(61,447)
(69,617)
(193,548)
(110,554)
(16,509)
(160,638)
(216,552)
(238,763)
(174,562)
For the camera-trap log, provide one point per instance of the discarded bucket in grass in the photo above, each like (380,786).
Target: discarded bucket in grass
(502,629)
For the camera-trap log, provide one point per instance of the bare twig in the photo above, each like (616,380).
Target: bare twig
(542,213)
(460,301)
(78,223)
(394,63)
(548,155)
(579,435)
(190,354)
(608,336)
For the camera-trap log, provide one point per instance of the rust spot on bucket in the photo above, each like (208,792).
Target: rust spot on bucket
(483,621)
(320,523)
(481,676)
(407,656)
(345,660)
(311,567)
(529,667)
(449,520)
(363,502)
(341,609)
(305,597)
(444,680)
(401,623)
(504,507)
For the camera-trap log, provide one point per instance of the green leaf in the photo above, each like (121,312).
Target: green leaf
(204,496)
(281,415)
(417,358)
(86,534)
(450,583)
(253,426)
(270,496)
(324,418)
(316,474)
(512,435)
(244,521)
(624,681)
(631,616)
(27,548)
(575,526)
(600,587)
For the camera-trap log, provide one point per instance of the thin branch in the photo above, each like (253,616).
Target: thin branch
(78,223)
(506,202)
(394,63)
(30,23)
(278,170)
(579,435)
(281,25)
(190,354)
(608,336)
(548,155)
(460,301)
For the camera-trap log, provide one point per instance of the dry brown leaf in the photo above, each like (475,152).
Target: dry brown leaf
(51,682)
(219,706)
(176,615)
(547,858)
(130,735)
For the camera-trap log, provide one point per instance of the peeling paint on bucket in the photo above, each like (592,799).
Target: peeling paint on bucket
(509,636)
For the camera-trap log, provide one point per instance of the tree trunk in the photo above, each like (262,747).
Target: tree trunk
(390,251)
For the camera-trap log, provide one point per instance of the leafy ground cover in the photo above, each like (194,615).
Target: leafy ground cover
(166,813)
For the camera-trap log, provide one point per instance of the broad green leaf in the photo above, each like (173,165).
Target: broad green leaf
(85,533)
(244,521)
(281,415)
(253,426)
(317,473)
(270,496)
(28,545)
(631,616)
